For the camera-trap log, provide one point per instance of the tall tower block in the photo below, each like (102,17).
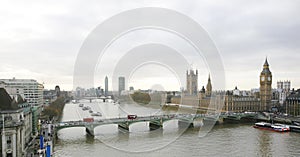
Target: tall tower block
(121,84)
(106,86)
(265,87)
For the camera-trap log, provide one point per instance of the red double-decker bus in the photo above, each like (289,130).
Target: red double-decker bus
(88,119)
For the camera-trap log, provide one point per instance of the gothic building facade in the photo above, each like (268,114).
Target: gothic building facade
(227,100)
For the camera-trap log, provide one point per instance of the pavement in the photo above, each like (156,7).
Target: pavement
(32,150)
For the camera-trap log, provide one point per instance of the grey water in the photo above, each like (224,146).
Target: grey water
(171,141)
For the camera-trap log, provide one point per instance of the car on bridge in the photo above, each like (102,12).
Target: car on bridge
(131,116)
(61,124)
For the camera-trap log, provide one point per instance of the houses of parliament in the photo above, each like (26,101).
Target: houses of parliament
(227,101)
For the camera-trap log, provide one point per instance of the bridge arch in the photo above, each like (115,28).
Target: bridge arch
(68,127)
(170,124)
(77,132)
(138,126)
(106,128)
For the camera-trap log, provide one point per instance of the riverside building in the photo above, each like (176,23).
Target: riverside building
(16,125)
(29,89)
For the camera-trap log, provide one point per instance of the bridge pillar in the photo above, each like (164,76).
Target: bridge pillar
(124,126)
(90,130)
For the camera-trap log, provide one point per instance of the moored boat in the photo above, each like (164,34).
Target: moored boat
(296,123)
(85,108)
(272,127)
(281,127)
(295,128)
(97,114)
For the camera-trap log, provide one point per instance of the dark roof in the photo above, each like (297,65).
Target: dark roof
(266,69)
(295,94)
(19,100)
(6,102)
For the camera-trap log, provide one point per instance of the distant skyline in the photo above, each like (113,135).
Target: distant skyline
(41,40)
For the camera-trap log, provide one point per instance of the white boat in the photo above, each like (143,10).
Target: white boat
(281,127)
(272,127)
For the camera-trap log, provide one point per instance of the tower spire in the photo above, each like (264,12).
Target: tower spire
(266,62)
(208,87)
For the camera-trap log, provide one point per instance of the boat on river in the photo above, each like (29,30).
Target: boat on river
(296,123)
(85,108)
(295,128)
(272,127)
(96,114)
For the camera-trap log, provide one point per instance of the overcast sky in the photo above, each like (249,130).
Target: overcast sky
(41,40)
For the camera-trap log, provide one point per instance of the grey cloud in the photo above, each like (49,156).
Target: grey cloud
(46,37)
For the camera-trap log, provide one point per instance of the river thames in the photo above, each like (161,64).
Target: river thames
(222,140)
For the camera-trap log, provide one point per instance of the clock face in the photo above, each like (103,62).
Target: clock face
(269,78)
(263,78)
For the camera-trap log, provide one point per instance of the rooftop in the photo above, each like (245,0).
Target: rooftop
(6,102)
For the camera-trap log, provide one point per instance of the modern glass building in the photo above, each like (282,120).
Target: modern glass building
(121,84)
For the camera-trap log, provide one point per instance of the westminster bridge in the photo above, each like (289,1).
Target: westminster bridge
(156,121)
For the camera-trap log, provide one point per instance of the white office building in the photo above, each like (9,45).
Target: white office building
(29,89)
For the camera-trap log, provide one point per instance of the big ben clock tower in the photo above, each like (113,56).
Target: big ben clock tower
(265,87)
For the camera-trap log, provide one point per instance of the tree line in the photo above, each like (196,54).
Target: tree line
(55,109)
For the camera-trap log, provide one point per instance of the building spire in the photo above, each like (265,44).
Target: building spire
(266,65)
(266,62)
(208,87)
